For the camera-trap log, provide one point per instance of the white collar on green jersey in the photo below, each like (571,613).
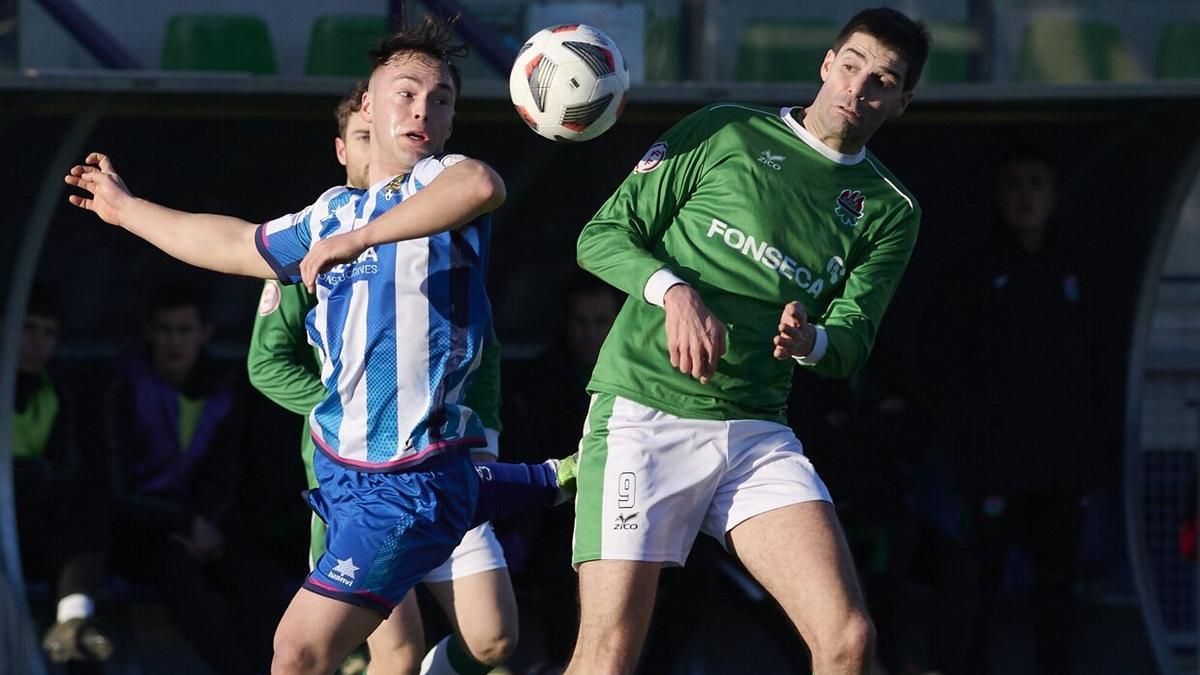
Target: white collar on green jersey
(815,143)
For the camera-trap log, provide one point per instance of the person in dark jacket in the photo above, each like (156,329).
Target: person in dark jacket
(1019,380)
(61,513)
(546,407)
(172,429)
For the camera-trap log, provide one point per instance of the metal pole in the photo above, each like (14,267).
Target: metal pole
(87,32)
(28,656)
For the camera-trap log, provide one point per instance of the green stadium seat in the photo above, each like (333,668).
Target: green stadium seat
(1066,50)
(338,44)
(1179,51)
(953,43)
(238,42)
(783,50)
(662,49)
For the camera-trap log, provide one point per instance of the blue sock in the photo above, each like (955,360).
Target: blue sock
(506,489)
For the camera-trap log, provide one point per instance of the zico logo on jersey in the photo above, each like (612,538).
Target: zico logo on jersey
(774,259)
(849,207)
(767,158)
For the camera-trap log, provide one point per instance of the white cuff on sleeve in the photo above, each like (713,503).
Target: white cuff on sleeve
(75,606)
(493,444)
(820,344)
(658,284)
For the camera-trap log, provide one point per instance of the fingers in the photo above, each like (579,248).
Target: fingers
(699,361)
(794,315)
(685,357)
(100,159)
(784,348)
(793,342)
(308,272)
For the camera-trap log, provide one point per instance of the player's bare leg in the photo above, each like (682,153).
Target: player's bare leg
(317,632)
(798,553)
(398,644)
(616,600)
(483,611)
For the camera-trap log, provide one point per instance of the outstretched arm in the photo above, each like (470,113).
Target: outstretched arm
(459,195)
(219,243)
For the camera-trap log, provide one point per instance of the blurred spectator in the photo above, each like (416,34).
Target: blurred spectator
(548,402)
(61,511)
(172,429)
(1018,382)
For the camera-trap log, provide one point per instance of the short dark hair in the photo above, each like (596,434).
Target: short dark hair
(350,104)
(433,37)
(176,295)
(44,301)
(894,29)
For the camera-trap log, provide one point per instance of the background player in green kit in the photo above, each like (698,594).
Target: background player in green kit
(473,586)
(738,225)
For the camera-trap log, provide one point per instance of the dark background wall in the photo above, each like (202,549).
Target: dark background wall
(261,156)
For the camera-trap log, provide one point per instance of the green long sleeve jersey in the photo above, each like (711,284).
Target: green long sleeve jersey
(746,206)
(287,370)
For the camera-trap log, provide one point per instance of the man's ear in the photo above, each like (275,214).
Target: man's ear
(339,149)
(905,99)
(364,106)
(827,64)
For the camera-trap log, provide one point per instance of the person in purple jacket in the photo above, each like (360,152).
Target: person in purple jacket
(172,429)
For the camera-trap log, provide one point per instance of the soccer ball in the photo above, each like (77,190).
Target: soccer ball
(569,83)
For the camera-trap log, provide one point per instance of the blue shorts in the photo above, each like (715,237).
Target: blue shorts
(388,530)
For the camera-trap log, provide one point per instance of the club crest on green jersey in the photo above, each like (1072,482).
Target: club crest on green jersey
(653,157)
(849,207)
(268,302)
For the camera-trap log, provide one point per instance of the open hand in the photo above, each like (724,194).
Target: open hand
(796,336)
(108,194)
(695,338)
(324,254)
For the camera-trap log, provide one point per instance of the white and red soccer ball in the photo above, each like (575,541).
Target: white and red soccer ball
(569,82)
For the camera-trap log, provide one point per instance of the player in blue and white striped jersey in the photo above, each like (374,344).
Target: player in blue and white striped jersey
(400,321)
(417,309)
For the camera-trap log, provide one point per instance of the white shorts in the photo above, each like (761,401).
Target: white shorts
(648,481)
(479,551)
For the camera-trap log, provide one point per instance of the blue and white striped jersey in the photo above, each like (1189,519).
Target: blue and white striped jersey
(400,330)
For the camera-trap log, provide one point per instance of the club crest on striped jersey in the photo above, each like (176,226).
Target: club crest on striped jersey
(389,191)
(849,207)
(653,157)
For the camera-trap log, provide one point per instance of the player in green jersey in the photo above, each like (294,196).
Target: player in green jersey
(473,587)
(736,227)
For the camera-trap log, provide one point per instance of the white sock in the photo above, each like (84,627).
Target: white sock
(437,661)
(75,606)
